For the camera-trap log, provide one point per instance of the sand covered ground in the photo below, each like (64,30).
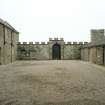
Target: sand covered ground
(63,82)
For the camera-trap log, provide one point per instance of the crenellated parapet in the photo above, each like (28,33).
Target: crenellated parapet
(76,43)
(36,42)
(32,43)
(46,43)
(24,42)
(44,50)
(56,39)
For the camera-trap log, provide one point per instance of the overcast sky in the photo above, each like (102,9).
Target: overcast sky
(37,20)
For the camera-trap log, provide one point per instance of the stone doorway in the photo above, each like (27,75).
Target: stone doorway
(56,52)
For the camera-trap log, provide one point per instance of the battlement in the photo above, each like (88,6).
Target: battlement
(56,39)
(76,43)
(44,43)
(33,43)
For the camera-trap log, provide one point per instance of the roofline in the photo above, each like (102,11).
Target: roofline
(90,46)
(6,24)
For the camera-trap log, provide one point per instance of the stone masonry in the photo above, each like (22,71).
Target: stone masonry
(8,43)
(43,51)
(54,49)
(95,51)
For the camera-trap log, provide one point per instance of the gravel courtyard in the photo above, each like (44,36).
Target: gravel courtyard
(63,82)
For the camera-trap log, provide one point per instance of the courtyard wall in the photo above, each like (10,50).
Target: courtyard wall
(32,51)
(43,51)
(95,50)
(8,43)
(72,51)
(94,54)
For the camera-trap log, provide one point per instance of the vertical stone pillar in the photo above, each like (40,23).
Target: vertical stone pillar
(82,54)
(50,51)
(62,52)
(93,54)
(104,55)
(100,55)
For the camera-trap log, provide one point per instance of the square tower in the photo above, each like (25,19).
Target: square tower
(97,35)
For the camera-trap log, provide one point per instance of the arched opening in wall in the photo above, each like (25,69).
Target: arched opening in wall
(56,52)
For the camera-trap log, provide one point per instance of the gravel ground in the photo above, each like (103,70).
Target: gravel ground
(64,82)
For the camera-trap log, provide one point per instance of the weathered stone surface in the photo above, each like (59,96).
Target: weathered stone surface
(86,54)
(45,51)
(10,50)
(97,35)
(1,43)
(8,43)
(104,56)
(92,57)
(100,55)
(95,51)
(34,51)
(72,51)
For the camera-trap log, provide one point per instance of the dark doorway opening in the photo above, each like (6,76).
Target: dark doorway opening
(56,52)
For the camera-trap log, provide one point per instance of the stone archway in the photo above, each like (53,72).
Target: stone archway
(56,52)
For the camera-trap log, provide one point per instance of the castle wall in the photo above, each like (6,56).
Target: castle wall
(8,44)
(82,54)
(95,51)
(14,41)
(10,51)
(43,51)
(95,54)
(1,44)
(97,35)
(71,51)
(85,55)
(104,55)
(0,55)
(54,41)
(100,56)
(33,52)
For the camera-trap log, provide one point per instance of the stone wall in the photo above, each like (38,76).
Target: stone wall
(95,50)
(71,51)
(1,43)
(15,38)
(54,41)
(85,54)
(32,51)
(94,54)
(97,35)
(42,51)
(104,56)
(8,43)
(100,56)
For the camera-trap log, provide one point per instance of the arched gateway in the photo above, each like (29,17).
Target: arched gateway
(56,52)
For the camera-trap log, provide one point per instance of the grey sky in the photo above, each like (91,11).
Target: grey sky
(37,20)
